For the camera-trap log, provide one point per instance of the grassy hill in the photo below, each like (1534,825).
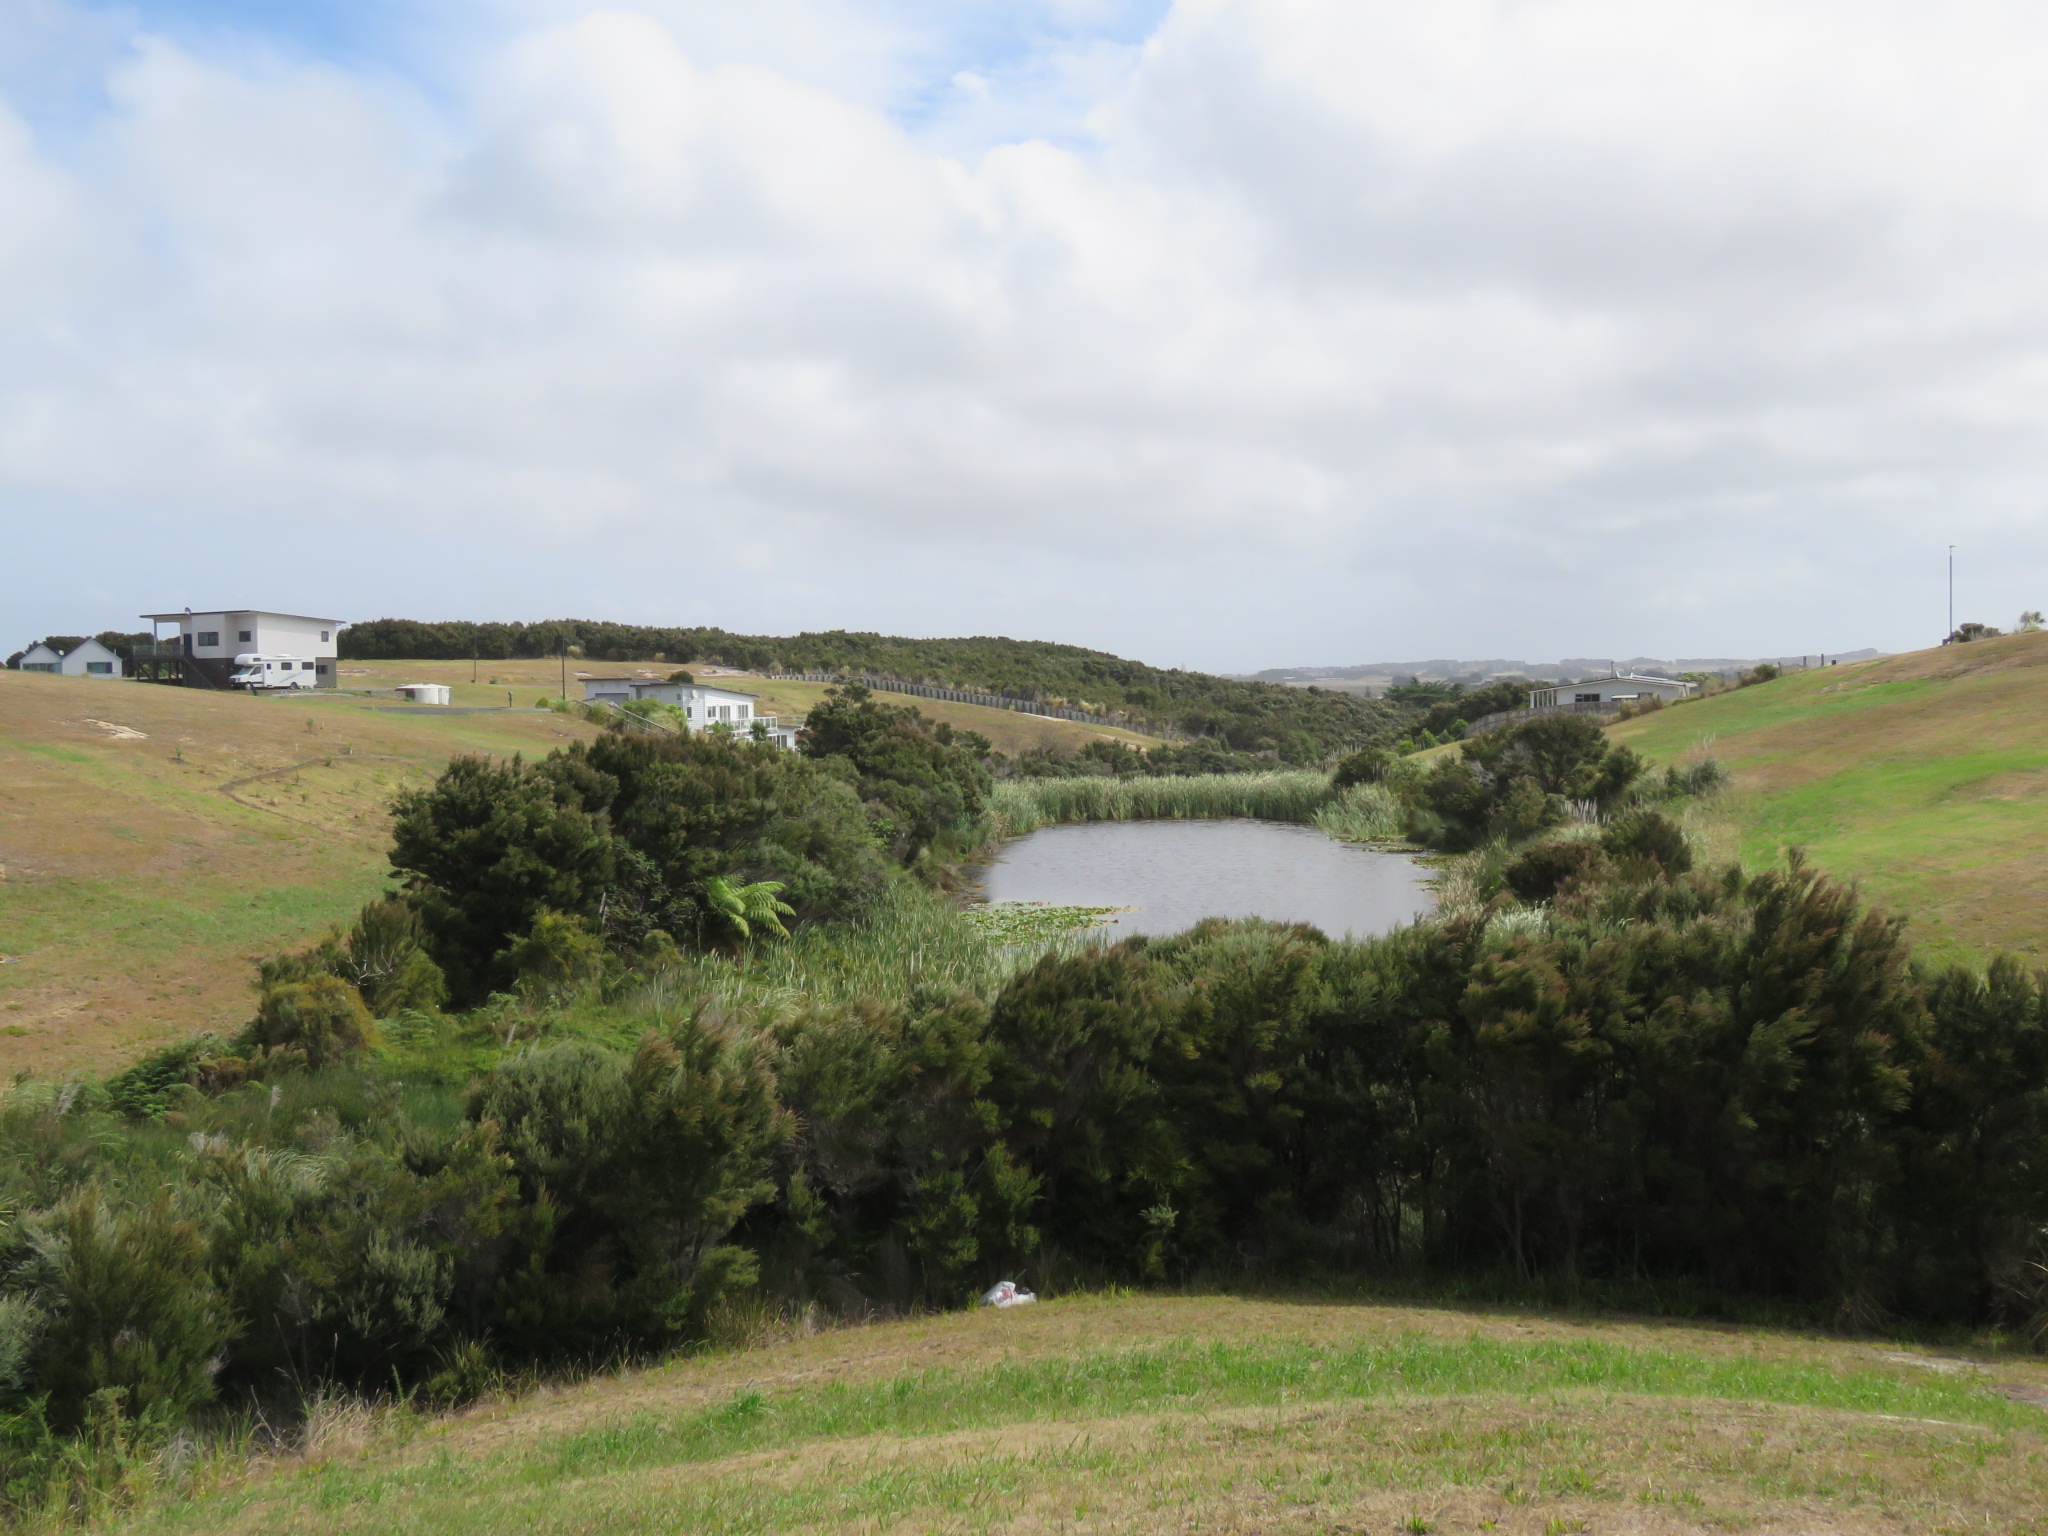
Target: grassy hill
(1923,775)
(154,840)
(1173,1414)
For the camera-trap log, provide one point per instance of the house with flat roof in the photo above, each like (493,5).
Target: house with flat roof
(1611,692)
(703,706)
(88,658)
(204,646)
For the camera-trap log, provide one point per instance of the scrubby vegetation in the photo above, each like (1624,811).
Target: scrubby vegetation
(1296,725)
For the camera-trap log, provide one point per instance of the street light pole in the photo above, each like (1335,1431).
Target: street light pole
(1951,590)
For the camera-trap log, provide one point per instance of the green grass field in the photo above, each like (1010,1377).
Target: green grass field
(1921,776)
(1203,1413)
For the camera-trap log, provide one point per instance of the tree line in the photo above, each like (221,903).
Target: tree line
(1296,725)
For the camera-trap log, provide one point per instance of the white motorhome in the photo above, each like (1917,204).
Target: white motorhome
(253,669)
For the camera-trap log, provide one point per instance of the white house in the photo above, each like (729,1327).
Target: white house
(1609,692)
(702,705)
(86,659)
(211,641)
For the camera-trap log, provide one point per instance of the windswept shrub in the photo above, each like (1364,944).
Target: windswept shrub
(132,1309)
(322,1017)
(1644,834)
(554,957)
(1541,870)
(1517,781)
(642,1168)
(1367,767)
(922,781)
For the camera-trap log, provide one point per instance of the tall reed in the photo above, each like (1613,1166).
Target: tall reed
(1364,813)
(1023,805)
(915,941)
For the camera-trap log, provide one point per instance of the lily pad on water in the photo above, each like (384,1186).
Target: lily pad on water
(1028,922)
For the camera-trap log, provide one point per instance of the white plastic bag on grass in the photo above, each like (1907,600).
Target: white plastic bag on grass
(1006,1293)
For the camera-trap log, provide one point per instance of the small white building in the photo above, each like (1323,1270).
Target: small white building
(1609,692)
(86,659)
(703,706)
(211,641)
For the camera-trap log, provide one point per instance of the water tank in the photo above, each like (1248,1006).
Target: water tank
(424,693)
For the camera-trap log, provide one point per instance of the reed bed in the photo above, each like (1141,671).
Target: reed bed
(1024,805)
(1364,813)
(914,943)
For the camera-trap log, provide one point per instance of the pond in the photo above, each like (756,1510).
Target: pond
(1172,874)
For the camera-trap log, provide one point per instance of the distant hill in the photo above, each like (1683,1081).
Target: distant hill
(1247,715)
(1381,674)
(1922,775)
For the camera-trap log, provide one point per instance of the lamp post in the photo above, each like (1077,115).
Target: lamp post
(1951,594)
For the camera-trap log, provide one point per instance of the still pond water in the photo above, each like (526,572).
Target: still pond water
(1175,873)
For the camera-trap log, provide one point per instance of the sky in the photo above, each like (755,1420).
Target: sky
(1226,334)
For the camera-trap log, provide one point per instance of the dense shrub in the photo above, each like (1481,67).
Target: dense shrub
(621,836)
(321,1020)
(1367,767)
(1513,783)
(1541,870)
(922,782)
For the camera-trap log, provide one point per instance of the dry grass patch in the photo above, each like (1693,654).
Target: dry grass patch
(154,840)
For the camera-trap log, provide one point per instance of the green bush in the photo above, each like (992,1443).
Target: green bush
(132,1309)
(322,1018)
(1515,782)
(923,782)
(1541,870)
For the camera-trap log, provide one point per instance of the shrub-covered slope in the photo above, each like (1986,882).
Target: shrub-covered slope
(1924,776)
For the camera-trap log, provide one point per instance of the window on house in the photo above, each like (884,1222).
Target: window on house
(209,637)
(1586,698)
(39,666)
(99,669)
(324,637)
(245,634)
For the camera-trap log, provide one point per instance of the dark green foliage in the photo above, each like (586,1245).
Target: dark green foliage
(156,1083)
(1448,716)
(1367,767)
(1513,783)
(1541,870)
(641,1167)
(1299,725)
(621,836)
(1645,834)
(488,847)
(132,1309)
(922,781)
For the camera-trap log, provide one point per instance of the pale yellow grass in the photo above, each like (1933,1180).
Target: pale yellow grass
(155,840)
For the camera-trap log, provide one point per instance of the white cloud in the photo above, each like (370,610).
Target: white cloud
(1304,330)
